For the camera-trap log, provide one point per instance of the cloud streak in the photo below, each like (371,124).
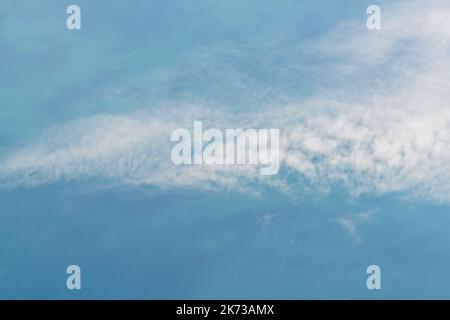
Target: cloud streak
(351,223)
(382,126)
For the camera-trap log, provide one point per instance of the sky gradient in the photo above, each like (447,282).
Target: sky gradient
(86,176)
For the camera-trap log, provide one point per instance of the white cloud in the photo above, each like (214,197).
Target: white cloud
(351,223)
(383,127)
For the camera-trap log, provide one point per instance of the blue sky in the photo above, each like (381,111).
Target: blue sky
(85,170)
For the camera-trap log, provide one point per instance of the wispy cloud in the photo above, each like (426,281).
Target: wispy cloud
(351,223)
(266,220)
(382,125)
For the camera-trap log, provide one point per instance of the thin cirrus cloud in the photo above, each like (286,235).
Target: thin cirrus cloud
(351,223)
(382,125)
